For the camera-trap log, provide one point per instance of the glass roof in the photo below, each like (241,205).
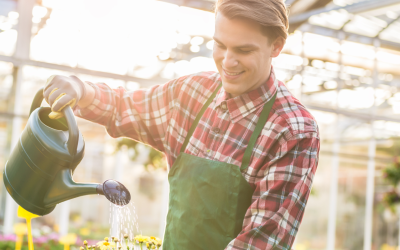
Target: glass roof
(382,22)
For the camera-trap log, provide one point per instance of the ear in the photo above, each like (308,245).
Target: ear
(277,46)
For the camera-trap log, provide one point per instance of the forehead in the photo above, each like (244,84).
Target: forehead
(238,30)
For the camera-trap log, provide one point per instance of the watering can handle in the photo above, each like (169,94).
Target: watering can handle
(73,131)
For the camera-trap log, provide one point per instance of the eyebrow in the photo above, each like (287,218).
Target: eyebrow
(248,45)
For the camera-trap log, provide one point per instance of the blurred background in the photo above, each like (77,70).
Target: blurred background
(342,60)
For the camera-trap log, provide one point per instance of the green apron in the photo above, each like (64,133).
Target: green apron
(208,199)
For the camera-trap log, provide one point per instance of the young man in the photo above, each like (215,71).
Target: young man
(242,150)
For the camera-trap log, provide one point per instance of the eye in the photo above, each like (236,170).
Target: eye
(219,45)
(244,51)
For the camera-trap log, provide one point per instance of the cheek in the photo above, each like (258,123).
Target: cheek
(217,55)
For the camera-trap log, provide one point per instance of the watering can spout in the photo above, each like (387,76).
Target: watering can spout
(64,188)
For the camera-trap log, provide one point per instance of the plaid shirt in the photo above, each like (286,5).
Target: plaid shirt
(284,159)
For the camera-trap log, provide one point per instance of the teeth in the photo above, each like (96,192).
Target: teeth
(232,74)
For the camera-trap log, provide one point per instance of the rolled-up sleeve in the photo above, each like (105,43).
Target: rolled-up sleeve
(142,115)
(280,198)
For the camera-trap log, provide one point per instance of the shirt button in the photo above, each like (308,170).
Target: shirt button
(224,107)
(217,130)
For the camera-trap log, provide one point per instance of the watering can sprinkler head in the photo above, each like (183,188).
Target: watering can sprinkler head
(115,192)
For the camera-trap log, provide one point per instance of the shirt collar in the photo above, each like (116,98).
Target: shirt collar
(244,104)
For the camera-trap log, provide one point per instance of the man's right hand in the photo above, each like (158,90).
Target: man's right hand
(61,91)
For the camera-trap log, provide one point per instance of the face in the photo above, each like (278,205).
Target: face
(242,54)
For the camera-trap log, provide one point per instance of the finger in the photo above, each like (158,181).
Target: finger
(59,102)
(49,82)
(47,93)
(56,115)
(62,102)
(53,95)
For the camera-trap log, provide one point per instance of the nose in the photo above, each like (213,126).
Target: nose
(230,61)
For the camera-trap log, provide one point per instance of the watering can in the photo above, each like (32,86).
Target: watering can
(38,173)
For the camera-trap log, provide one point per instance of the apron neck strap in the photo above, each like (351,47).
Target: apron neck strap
(198,117)
(260,125)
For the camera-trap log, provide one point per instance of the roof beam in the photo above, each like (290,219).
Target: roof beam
(196,4)
(144,83)
(324,31)
(356,8)
(353,114)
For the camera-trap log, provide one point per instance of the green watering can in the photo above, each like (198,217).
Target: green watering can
(38,173)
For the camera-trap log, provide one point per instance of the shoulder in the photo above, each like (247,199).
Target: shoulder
(292,116)
(197,85)
(207,79)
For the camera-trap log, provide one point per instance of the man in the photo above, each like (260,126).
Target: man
(242,150)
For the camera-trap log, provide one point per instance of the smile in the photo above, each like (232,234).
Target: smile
(232,73)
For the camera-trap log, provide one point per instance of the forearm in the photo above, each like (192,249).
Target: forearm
(88,98)
(142,115)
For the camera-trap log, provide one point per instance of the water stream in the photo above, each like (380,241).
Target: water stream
(124,220)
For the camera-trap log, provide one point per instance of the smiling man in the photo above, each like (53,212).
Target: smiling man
(242,150)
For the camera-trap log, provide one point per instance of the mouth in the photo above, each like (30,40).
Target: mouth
(232,74)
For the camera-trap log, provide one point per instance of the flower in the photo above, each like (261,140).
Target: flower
(106,239)
(141,238)
(85,242)
(158,242)
(104,245)
(81,248)
(125,236)
(153,242)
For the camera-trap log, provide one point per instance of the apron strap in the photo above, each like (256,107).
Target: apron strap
(260,125)
(198,117)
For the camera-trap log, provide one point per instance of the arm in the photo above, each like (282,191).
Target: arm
(273,219)
(142,115)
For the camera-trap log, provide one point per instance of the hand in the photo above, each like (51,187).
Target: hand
(61,91)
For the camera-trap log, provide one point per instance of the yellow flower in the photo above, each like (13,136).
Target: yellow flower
(85,242)
(141,238)
(104,245)
(106,239)
(159,241)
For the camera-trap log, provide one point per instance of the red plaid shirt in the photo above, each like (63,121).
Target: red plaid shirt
(284,159)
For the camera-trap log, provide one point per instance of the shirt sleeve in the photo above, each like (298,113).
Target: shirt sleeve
(279,200)
(142,115)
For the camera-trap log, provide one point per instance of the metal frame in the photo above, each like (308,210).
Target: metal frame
(356,8)
(22,53)
(351,37)
(19,62)
(196,4)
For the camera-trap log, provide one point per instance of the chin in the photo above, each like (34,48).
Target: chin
(232,90)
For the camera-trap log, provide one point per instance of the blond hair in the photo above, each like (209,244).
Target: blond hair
(272,15)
